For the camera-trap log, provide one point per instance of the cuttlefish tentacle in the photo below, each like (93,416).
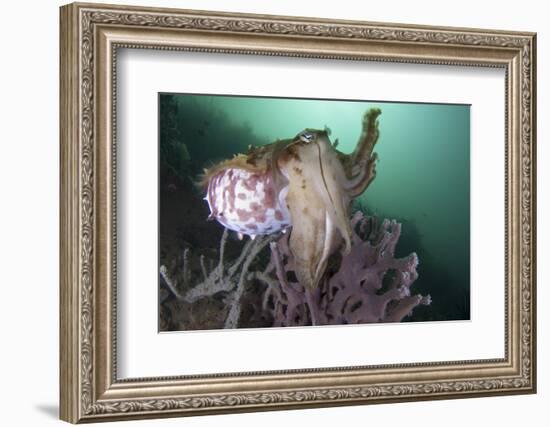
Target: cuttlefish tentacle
(326,175)
(318,211)
(358,184)
(368,138)
(303,183)
(362,162)
(307,237)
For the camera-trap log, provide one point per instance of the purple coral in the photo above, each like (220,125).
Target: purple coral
(367,285)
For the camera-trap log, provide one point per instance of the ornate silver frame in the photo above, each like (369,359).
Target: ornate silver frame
(90,36)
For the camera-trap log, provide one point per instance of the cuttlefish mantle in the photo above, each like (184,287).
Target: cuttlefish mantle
(303,184)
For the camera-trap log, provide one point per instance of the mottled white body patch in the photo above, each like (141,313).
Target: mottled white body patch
(247,202)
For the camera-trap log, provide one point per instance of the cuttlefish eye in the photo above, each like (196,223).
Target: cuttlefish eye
(306,136)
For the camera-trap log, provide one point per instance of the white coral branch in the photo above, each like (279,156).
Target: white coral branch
(231,278)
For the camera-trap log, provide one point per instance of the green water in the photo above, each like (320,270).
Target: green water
(422,175)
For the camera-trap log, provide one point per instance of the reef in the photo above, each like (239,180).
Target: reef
(368,284)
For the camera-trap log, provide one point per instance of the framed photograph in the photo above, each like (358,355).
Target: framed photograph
(267,212)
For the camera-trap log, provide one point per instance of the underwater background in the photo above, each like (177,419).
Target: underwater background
(422,181)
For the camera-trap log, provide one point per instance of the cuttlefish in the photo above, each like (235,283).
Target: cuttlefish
(303,185)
